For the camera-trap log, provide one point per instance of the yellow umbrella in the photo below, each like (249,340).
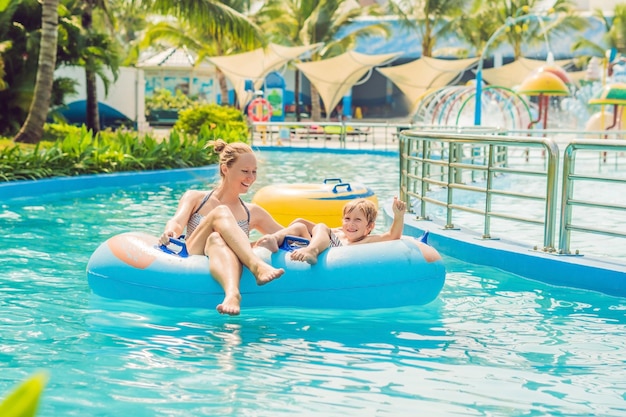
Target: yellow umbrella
(543,84)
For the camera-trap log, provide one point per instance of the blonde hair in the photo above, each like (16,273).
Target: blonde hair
(229,152)
(369,209)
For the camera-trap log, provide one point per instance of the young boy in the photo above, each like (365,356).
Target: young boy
(359,219)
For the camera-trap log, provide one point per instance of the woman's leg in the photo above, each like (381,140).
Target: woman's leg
(320,240)
(226,270)
(222,221)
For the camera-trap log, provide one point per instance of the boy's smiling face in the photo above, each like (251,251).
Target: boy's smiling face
(355,225)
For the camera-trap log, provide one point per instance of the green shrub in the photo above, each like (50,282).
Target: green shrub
(79,152)
(163,99)
(56,131)
(214,121)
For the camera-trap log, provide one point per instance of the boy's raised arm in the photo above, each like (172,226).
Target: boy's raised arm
(397,226)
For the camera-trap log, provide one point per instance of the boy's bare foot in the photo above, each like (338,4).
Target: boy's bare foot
(308,255)
(268,242)
(265,273)
(231,305)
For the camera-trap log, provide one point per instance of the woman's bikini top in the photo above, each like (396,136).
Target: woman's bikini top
(196,218)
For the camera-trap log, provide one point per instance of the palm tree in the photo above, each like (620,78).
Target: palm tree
(127,25)
(614,37)
(429,18)
(196,39)
(211,14)
(181,34)
(536,29)
(480,22)
(308,22)
(3,47)
(32,130)
(94,50)
(475,27)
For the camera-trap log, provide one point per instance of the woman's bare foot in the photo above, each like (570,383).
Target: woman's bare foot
(308,255)
(265,273)
(268,242)
(231,305)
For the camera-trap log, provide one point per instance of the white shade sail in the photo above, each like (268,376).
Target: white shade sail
(511,75)
(255,65)
(333,77)
(417,77)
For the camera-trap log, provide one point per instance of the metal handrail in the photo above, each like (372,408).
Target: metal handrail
(350,134)
(443,159)
(570,178)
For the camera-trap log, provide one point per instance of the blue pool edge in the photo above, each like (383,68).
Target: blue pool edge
(606,276)
(56,185)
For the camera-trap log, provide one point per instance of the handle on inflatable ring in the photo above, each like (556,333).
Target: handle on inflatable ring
(183,248)
(327,180)
(291,243)
(343,184)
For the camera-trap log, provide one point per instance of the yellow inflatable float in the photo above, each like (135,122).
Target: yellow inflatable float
(319,203)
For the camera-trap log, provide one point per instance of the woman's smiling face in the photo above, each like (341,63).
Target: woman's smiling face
(242,173)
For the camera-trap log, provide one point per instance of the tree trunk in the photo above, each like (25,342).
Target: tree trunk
(316,111)
(296,93)
(32,129)
(91,85)
(517,50)
(221,80)
(427,40)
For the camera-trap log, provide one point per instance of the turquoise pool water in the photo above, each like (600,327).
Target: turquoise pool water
(491,344)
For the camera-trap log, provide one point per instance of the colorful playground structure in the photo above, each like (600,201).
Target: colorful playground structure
(582,100)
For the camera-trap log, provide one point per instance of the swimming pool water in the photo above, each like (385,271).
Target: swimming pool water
(491,344)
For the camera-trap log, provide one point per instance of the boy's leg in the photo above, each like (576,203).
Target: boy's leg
(320,240)
(274,240)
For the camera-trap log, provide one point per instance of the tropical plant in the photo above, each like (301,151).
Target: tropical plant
(163,99)
(180,34)
(3,47)
(195,38)
(80,152)
(540,26)
(20,24)
(18,30)
(614,35)
(127,24)
(217,18)
(32,129)
(95,49)
(563,21)
(525,25)
(219,119)
(24,400)
(428,18)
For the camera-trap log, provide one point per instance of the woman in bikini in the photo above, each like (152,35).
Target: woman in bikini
(218,224)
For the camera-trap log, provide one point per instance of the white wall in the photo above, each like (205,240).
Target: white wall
(126,94)
(604,5)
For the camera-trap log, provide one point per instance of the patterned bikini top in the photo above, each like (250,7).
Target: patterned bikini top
(196,218)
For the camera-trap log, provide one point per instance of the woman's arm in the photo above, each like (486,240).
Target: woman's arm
(261,220)
(176,225)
